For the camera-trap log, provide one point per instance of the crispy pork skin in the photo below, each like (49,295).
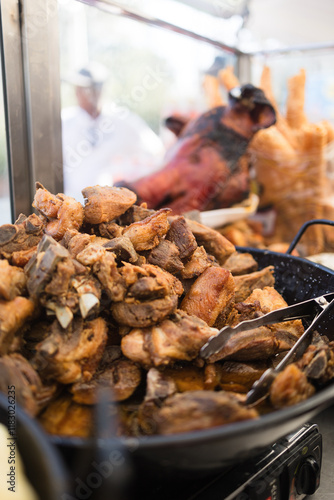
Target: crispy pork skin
(214,243)
(147,233)
(211,296)
(73,354)
(195,410)
(104,203)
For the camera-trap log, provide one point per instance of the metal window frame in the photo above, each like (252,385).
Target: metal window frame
(30,61)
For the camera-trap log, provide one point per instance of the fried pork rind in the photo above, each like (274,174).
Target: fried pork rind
(104,203)
(62,212)
(147,233)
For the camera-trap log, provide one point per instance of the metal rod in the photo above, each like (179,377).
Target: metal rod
(116,9)
(293,48)
(113,7)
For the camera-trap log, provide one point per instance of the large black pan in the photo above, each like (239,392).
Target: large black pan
(208,450)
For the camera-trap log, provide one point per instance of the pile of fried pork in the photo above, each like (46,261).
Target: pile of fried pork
(111,297)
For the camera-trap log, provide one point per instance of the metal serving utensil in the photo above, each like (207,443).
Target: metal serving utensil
(313,308)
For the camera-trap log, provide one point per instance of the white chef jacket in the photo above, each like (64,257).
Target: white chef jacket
(117,145)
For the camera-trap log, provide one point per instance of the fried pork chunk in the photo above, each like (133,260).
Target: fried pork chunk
(147,233)
(64,417)
(152,295)
(214,243)
(317,361)
(62,212)
(245,284)
(290,387)
(12,281)
(211,296)
(30,392)
(233,376)
(265,341)
(73,354)
(167,256)
(14,315)
(241,263)
(197,264)
(104,203)
(181,235)
(121,378)
(18,241)
(197,410)
(179,337)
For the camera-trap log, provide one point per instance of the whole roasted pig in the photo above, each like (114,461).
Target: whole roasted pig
(207,168)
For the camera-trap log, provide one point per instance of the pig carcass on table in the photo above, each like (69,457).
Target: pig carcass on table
(207,168)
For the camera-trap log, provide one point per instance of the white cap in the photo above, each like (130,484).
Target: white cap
(91,75)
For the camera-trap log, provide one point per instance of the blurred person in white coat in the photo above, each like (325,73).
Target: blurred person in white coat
(104,143)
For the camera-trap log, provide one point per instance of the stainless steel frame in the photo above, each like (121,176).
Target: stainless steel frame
(16,121)
(30,61)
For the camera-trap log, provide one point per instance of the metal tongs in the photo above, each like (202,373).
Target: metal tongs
(313,308)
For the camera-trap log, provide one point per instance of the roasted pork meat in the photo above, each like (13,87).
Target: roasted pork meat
(211,297)
(64,417)
(179,337)
(14,317)
(120,378)
(30,392)
(197,410)
(19,241)
(73,354)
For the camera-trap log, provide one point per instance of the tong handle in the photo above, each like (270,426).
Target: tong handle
(303,309)
(261,387)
